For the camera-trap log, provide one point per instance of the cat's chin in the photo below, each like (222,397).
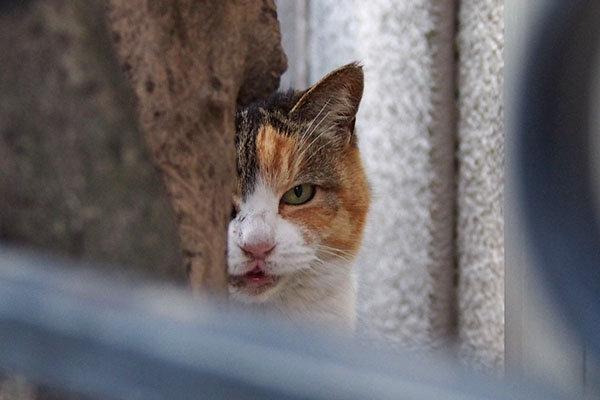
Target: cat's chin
(254,287)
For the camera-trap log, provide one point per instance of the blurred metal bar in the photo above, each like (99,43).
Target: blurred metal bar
(554,160)
(79,332)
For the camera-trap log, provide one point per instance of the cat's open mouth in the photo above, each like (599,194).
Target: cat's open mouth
(254,282)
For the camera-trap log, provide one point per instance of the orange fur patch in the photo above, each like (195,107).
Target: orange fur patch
(345,231)
(275,153)
(333,218)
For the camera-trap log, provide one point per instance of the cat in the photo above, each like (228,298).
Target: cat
(300,202)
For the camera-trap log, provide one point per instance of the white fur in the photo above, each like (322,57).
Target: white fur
(310,288)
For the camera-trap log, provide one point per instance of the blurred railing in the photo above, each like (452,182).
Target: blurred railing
(76,331)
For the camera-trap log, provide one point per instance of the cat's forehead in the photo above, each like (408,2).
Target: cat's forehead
(277,152)
(267,150)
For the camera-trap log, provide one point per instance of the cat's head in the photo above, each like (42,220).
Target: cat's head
(302,197)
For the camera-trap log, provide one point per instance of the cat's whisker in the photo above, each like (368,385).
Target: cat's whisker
(308,147)
(337,252)
(303,145)
(323,246)
(320,261)
(317,262)
(340,257)
(310,129)
(305,134)
(315,118)
(316,152)
(320,134)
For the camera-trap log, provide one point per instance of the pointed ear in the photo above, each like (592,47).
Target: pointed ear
(334,100)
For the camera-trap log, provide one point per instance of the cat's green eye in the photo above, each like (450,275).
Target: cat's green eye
(299,194)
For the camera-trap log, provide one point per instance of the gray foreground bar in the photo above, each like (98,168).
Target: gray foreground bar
(75,330)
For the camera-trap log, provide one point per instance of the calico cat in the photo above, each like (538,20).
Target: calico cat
(300,203)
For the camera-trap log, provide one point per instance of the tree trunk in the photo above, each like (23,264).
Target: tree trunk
(75,175)
(189,62)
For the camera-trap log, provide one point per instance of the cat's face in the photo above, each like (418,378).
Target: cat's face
(302,197)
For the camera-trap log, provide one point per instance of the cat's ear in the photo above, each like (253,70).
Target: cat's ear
(333,102)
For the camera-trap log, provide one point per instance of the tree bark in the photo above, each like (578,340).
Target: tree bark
(75,175)
(188,63)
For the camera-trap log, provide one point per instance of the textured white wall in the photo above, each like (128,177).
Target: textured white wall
(292,16)
(480,196)
(405,133)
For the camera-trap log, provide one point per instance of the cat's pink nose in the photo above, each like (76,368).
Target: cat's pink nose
(258,250)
